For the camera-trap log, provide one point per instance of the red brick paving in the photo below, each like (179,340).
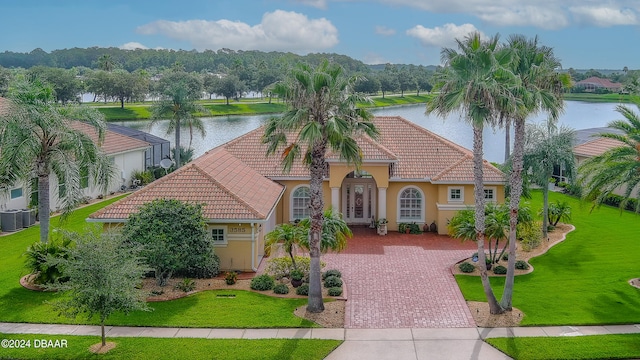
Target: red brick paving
(402,280)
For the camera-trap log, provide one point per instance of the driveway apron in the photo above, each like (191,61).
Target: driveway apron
(402,280)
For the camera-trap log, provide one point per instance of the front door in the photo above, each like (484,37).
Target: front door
(358,200)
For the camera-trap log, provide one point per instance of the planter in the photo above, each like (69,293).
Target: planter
(295,283)
(382,229)
(407,230)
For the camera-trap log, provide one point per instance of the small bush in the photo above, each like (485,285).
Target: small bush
(37,255)
(522,265)
(505,257)
(186,285)
(466,267)
(231,277)
(297,274)
(303,290)
(281,289)
(335,291)
(332,281)
(530,236)
(262,283)
(281,267)
(331,272)
(499,270)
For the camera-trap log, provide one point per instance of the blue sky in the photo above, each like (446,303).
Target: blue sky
(585,34)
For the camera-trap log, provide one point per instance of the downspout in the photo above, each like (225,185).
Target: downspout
(253,248)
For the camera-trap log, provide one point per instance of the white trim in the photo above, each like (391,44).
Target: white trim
(225,234)
(423,202)
(450,199)
(466,182)
(293,191)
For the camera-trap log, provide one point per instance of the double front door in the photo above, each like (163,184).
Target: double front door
(358,200)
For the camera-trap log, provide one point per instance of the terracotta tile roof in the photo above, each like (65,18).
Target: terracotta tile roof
(599,82)
(227,188)
(596,147)
(114,143)
(418,153)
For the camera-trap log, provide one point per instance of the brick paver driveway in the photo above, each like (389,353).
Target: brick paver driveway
(402,281)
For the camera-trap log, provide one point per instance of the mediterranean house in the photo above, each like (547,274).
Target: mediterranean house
(595,83)
(407,175)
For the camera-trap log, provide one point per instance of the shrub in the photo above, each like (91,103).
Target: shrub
(466,267)
(262,283)
(282,266)
(37,255)
(186,285)
(499,269)
(303,290)
(335,291)
(281,289)
(522,265)
(505,257)
(332,281)
(231,277)
(297,274)
(145,177)
(331,272)
(530,236)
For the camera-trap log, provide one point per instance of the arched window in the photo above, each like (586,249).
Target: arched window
(410,204)
(300,203)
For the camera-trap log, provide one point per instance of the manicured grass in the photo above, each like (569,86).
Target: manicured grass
(396,99)
(583,280)
(245,108)
(246,310)
(609,98)
(624,346)
(128,113)
(173,348)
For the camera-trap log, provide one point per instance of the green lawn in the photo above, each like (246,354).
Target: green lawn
(174,348)
(609,98)
(245,310)
(582,281)
(626,346)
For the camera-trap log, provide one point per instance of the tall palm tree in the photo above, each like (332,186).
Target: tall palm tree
(37,138)
(619,167)
(547,146)
(322,115)
(539,90)
(475,81)
(178,94)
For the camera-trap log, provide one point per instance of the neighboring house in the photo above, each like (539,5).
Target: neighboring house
(128,155)
(160,148)
(594,83)
(408,175)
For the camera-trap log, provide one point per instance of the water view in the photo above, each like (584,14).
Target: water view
(577,115)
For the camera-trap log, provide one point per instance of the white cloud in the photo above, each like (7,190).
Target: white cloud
(320,4)
(132,46)
(602,16)
(279,31)
(441,36)
(383,30)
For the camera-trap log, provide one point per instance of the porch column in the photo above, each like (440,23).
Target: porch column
(382,202)
(335,198)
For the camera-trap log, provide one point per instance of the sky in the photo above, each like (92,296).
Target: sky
(585,34)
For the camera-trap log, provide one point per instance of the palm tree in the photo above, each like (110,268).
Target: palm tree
(37,138)
(321,115)
(106,63)
(547,146)
(289,235)
(617,168)
(335,232)
(475,81)
(539,90)
(178,94)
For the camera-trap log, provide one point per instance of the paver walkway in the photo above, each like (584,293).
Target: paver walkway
(402,280)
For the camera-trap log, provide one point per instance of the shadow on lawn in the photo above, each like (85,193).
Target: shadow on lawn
(625,303)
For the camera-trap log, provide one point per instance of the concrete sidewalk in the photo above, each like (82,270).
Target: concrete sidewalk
(393,344)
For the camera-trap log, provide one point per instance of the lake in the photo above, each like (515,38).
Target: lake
(577,115)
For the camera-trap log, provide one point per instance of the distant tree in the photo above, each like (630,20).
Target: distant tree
(103,277)
(38,139)
(210,84)
(230,86)
(406,80)
(388,83)
(106,63)
(126,86)
(367,84)
(66,86)
(423,80)
(174,238)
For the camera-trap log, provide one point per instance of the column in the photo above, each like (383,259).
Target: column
(335,198)
(382,203)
